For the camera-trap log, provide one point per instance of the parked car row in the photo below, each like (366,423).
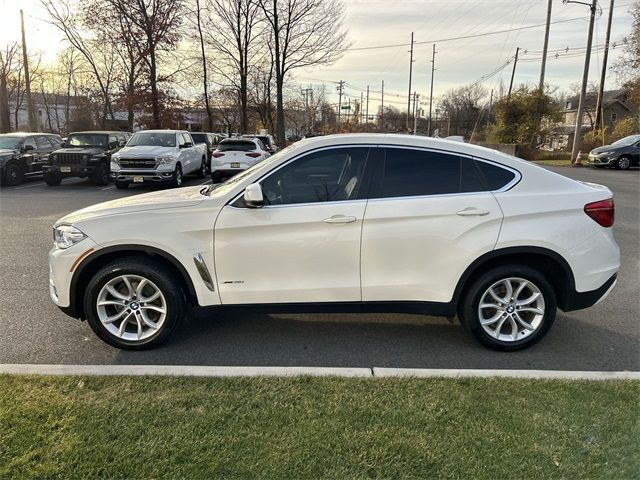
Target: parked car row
(149,156)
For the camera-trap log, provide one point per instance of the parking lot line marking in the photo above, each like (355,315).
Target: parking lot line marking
(108,188)
(31,185)
(206,182)
(375,372)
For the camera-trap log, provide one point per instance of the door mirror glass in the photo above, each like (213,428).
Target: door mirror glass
(253,196)
(28,148)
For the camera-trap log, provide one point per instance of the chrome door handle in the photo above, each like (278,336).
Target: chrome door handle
(340,219)
(470,211)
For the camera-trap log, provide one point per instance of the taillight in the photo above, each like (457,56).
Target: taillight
(218,154)
(603,212)
(253,154)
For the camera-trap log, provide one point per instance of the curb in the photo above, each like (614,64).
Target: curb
(375,372)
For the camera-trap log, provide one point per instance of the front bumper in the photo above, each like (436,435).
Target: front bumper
(603,160)
(579,300)
(142,176)
(74,170)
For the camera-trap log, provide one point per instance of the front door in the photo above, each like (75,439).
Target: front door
(304,244)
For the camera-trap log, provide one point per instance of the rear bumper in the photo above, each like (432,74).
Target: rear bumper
(578,300)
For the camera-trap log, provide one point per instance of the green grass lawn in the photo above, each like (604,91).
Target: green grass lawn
(152,427)
(557,163)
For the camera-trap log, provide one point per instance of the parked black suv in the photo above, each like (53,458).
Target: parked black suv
(24,154)
(84,154)
(211,140)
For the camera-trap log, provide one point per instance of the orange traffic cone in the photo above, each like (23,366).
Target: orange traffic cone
(578,161)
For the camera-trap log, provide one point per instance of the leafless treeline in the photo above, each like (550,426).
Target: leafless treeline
(154,58)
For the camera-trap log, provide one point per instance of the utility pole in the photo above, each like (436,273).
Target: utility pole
(367,119)
(308,92)
(513,72)
(545,47)
(433,69)
(415,111)
(27,80)
(603,74)
(361,109)
(410,74)
(382,107)
(585,77)
(340,89)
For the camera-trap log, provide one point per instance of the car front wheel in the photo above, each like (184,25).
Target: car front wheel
(13,175)
(177,176)
(509,307)
(202,172)
(133,304)
(623,163)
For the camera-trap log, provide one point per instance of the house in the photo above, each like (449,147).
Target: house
(615,107)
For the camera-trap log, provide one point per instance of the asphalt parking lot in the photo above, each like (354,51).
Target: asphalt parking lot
(33,330)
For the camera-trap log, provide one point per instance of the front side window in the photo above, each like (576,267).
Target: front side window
(42,143)
(30,141)
(325,176)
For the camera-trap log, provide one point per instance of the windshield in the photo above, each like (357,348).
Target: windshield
(87,140)
(199,137)
(9,142)
(627,141)
(152,139)
(236,145)
(224,188)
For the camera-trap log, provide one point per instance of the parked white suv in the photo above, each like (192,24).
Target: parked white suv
(346,222)
(233,155)
(158,156)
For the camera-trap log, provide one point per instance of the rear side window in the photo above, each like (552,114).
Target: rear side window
(494,176)
(236,145)
(410,173)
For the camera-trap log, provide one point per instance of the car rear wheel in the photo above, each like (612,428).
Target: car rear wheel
(52,179)
(509,307)
(623,163)
(203,169)
(177,176)
(101,174)
(133,304)
(13,175)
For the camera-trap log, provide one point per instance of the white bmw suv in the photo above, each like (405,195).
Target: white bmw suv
(342,223)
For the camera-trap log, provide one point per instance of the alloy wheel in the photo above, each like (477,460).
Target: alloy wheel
(624,163)
(511,309)
(131,307)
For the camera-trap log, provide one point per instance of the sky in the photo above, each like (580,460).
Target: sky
(373,23)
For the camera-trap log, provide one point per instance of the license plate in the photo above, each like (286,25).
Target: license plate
(65,169)
(138,179)
(235,165)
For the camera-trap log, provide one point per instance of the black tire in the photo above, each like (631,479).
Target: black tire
(52,179)
(203,169)
(469,315)
(13,175)
(121,185)
(623,163)
(154,272)
(177,177)
(101,174)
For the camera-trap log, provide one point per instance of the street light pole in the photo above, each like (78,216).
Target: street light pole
(585,77)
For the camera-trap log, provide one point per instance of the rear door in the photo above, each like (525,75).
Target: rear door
(428,216)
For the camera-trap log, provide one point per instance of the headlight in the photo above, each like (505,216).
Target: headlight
(165,160)
(604,153)
(115,159)
(65,236)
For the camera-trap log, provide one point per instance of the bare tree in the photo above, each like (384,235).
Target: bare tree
(302,33)
(8,59)
(159,22)
(232,28)
(261,96)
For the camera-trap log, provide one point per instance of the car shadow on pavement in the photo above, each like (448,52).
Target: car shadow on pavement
(368,340)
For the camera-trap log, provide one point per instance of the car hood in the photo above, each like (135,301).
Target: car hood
(142,151)
(84,151)
(6,151)
(180,197)
(606,148)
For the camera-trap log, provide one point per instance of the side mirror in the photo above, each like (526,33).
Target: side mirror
(28,148)
(186,145)
(253,196)
(122,143)
(63,145)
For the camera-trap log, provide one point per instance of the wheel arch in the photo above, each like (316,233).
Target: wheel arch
(98,259)
(551,264)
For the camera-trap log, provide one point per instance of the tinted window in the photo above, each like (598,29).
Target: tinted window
(418,172)
(236,145)
(199,137)
(326,176)
(30,141)
(54,141)
(42,143)
(494,176)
